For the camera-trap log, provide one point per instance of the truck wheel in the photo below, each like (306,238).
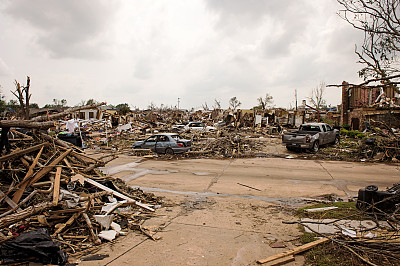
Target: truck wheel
(336,141)
(289,148)
(169,151)
(315,147)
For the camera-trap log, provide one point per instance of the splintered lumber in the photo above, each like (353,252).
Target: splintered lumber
(294,251)
(56,190)
(8,200)
(33,193)
(26,124)
(83,157)
(49,167)
(66,224)
(59,142)
(117,194)
(21,134)
(18,194)
(26,213)
(22,152)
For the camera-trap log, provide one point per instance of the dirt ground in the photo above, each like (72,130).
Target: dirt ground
(228,212)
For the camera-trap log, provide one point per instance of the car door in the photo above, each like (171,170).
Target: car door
(150,143)
(323,135)
(162,143)
(331,135)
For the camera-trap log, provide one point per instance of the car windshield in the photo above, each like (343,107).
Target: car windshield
(309,128)
(176,137)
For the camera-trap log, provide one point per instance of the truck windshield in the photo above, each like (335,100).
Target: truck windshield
(309,128)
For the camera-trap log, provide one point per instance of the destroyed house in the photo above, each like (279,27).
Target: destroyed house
(363,104)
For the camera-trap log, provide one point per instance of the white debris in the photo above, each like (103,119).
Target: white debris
(104,220)
(108,234)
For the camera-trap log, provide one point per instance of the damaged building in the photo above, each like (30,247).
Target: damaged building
(361,104)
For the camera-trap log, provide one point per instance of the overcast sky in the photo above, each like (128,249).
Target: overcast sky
(141,52)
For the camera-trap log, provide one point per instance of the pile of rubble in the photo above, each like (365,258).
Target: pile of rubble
(55,201)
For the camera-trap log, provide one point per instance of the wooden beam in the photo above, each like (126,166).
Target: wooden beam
(294,251)
(18,194)
(18,153)
(56,190)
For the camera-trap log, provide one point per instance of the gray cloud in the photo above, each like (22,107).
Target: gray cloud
(66,29)
(159,51)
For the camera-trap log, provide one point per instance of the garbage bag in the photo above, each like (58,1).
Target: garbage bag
(35,245)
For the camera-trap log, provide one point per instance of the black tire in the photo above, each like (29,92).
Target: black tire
(371,188)
(315,147)
(336,141)
(169,151)
(289,148)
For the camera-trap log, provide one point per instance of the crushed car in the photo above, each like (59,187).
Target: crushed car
(166,143)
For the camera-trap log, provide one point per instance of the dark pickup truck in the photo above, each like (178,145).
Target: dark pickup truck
(310,136)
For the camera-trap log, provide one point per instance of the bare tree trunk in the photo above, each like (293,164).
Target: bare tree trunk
(28,212)
(26,124)
(68,111)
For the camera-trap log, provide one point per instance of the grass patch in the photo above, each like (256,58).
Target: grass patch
(326,254)
(307,237)
(345,209)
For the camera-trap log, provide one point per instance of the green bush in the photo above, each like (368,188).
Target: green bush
(346,126)
(352,133)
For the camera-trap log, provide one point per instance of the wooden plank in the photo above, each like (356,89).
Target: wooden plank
(294,251)
(281,261)
(18,194)
(56,189)
(321,209)
(49,167)
(117,194)
(22,152)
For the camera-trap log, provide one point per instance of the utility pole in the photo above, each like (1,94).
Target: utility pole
(295,95)
(178,102)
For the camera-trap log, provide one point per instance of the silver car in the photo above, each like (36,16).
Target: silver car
(168,143)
